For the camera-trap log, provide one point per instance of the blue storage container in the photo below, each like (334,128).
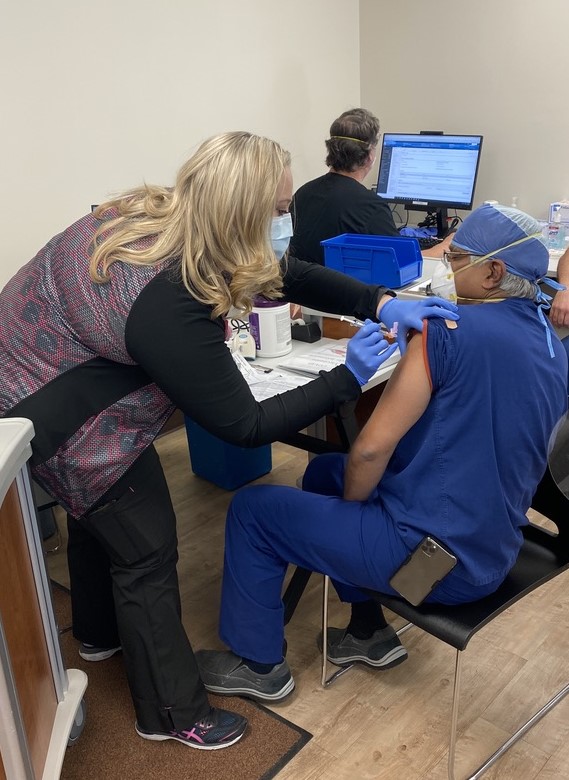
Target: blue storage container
(226,465)
(390,261)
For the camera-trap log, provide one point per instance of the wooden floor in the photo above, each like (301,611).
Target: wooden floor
(392,724)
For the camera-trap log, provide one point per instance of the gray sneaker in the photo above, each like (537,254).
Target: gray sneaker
(93,653)
(383,649)
(225,673)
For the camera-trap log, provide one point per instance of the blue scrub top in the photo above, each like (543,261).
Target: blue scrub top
(481,466)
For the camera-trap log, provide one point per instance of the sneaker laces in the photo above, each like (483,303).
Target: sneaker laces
(208,721)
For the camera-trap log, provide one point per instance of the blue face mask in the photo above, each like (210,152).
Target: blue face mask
(281,232)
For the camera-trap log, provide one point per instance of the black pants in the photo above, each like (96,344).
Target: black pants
(124,589)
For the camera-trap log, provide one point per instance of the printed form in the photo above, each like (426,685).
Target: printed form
(266,382)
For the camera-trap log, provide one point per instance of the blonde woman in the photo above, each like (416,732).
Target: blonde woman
(117,321)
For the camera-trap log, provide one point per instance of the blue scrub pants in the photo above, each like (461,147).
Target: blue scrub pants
(354,542)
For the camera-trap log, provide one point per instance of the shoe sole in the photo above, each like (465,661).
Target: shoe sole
(102,656)
(388,661)
(251,693)
(196,745)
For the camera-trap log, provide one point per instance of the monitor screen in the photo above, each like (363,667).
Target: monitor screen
(423,170)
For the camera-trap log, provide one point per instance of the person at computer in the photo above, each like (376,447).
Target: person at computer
(435,458)
(339,202)
(117,321)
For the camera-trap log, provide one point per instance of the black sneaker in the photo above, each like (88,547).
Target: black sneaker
(225,674)
(382,650)
(93,653)
(218,729)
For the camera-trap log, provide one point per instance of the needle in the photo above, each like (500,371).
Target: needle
(355,323)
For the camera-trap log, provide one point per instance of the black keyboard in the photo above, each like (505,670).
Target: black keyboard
(427,242)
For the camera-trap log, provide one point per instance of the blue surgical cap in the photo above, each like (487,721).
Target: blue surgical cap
(492,229)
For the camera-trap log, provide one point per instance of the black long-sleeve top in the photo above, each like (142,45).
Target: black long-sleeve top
(331,205)
(174,339)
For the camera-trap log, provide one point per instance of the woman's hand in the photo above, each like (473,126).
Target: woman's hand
(367,351)
(409,315)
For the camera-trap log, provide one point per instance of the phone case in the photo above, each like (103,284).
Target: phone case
(425,567)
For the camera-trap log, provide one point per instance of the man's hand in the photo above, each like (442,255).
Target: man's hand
(559,313)
(436,252)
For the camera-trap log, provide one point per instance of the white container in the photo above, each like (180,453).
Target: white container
(557,236)
(269,324)
(559,212)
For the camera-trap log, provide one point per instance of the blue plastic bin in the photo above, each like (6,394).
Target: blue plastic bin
(226,465)
(390,261)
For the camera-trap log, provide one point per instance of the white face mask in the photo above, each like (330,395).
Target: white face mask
(442,283)
(281,232)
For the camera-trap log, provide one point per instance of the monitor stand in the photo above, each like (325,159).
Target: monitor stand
(442,223)
(434,217)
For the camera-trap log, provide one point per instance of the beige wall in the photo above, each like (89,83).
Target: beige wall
(495,67)
(99,96)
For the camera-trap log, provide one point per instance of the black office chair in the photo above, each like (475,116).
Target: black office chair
(543,556)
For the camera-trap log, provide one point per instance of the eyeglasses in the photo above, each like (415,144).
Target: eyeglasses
(451,257)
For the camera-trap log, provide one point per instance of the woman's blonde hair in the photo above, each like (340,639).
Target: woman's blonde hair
(214,223)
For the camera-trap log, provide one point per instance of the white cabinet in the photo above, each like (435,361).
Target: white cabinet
(41,703)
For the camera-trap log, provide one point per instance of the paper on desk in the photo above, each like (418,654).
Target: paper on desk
(251,375)
(327,358)
(322,359)
(276,383)
(267,385)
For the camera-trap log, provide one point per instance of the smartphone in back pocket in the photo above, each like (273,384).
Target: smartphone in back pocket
(424,568)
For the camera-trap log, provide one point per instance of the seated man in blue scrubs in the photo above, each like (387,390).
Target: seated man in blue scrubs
(454,449)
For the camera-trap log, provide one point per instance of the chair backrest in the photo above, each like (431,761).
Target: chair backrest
(551,498)
(559,458)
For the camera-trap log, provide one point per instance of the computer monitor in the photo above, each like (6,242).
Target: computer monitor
(429,171)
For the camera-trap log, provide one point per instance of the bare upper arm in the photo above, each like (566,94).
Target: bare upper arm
(563,268)
(402,403)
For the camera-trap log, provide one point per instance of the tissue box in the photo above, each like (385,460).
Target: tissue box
(391,261)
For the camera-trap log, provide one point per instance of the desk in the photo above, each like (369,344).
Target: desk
(300,348)
(345,420)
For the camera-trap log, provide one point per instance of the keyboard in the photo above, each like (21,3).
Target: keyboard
(427,242)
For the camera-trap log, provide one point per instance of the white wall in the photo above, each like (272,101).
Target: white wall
(495,67)
(99,96)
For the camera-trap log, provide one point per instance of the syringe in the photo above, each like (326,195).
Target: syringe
(355,323)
